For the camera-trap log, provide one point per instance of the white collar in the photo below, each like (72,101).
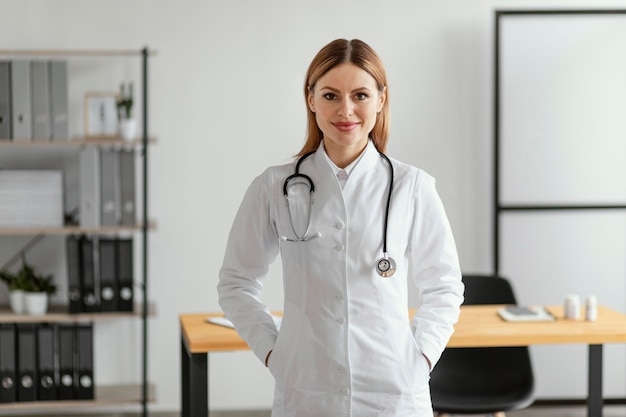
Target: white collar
(349,168)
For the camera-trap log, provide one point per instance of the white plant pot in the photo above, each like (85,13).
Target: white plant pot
(35,303)
(128,129)
(16,300)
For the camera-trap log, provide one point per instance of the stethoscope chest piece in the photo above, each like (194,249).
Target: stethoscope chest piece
(386,266)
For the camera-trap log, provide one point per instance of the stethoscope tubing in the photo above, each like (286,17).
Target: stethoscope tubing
(391,177)
(385,266)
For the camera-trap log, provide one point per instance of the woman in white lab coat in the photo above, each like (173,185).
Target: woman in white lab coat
(346,345)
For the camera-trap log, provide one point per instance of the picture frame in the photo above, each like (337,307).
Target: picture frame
(101,119)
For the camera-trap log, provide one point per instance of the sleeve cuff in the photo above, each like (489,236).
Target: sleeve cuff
(263,348)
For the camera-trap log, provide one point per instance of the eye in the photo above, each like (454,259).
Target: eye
(329,96)
(361,96)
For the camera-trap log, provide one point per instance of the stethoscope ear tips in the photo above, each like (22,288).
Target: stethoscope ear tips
(385,267)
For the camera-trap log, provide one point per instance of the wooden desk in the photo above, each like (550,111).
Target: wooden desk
(478,326)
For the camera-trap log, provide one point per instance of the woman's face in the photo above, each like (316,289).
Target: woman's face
(345,101)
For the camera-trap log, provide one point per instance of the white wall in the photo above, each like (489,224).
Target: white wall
(226,102)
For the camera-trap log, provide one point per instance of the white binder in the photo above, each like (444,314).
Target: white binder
(89,186)
(40,80)
(5,100)
(127,187)
(58,100)
(110,188)
(21,100)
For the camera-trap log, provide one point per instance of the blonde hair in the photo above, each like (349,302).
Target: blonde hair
(343,51)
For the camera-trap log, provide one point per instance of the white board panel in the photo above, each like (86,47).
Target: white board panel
(548,255)
(563,109)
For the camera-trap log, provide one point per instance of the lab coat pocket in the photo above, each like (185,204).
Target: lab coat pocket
(274,363)
(282,353)
(424,364)
(418,367)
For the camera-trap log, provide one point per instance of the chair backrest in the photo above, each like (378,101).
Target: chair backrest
(483,380)
(487,289)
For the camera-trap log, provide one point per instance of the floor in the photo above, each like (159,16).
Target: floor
(544,411)
(578,411)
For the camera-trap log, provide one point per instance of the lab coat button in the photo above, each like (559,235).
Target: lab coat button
(341,369)
(339,247)
(341,320)
(345,391)
(339,226)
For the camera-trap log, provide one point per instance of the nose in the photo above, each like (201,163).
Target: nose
(346,108)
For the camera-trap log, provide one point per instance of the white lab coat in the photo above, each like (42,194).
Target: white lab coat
(347,346)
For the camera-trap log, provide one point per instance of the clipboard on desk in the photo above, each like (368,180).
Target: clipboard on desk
(517,313)
(223,321)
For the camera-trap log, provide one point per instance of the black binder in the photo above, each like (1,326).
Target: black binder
(66,361)
(84,383)
(26,362)
(125,273)
(108,273)
(8,392)
(74,268)
(88,280)
(47,387)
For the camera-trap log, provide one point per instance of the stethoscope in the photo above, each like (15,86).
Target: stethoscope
(385,266)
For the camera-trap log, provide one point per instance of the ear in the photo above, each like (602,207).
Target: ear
(310,100)
(382,97)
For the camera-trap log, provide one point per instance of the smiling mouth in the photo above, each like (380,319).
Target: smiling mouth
(345,126)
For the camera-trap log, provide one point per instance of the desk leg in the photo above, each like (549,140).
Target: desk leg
(594,399)
(195,383)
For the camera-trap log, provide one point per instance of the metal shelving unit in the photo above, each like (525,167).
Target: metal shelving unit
(113,395)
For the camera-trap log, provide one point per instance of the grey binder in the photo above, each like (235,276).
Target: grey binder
(89,186)
(127,187)
(5,100)
(58,100)
(109,187)
(40,76)
(21,100)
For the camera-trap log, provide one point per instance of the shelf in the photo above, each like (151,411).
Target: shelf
(59,314)
(75,142)
(112,395)
(93,53)
(73,230)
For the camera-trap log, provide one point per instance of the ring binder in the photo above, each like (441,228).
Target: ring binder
(66,361)
(84,362)
(47,387)
(8,392)
(26,362)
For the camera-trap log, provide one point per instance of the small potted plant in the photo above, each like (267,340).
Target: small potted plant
(16,291)
(28,290)
(125,101)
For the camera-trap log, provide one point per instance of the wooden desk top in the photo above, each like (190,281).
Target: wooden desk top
(478,326)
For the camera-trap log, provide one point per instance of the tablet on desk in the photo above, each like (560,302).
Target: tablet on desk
(525,313)
(223,321)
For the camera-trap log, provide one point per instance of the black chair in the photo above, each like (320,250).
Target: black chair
(483,380)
